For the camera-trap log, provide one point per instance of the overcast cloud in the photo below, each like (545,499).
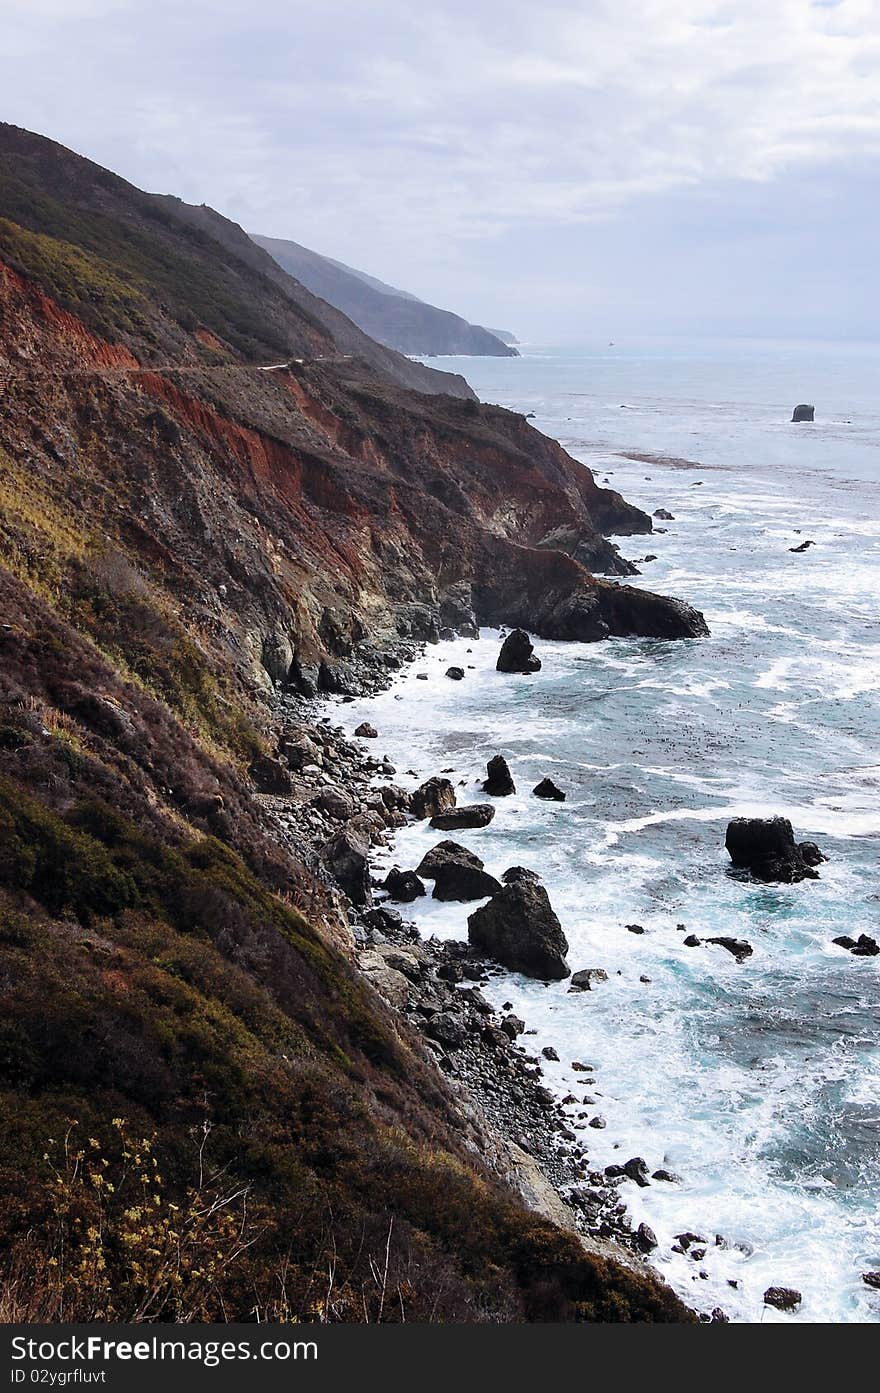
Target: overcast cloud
(641,165)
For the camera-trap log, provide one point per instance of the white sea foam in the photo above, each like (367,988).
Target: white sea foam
(756,1082)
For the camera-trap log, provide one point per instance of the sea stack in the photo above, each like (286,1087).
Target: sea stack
(803,413)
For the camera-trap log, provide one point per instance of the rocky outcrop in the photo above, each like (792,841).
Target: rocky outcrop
(435,795)
(443,853)
(403,886)
(517,654)
(499,782)
(783,1298)
(457,819)
(549,790)
(803,413)
(457,880)
(767,849)
(519,929)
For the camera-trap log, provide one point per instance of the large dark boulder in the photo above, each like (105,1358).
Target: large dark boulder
(456,880)
(346,856)
(517,654)
(473,815)
(434,796)
(548,789)
(403,886)
(803,413)
(765,846)
(519,929)
(445,852)
(500,781)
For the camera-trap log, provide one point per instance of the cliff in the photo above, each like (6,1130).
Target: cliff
(179,529)
(393,318)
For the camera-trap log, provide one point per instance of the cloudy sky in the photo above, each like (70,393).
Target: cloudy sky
(565,168)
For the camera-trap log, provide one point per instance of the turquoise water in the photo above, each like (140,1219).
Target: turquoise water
(759,1084)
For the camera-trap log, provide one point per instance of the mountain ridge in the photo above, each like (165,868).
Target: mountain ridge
(395,318)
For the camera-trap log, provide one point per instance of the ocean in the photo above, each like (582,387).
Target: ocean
(758,1083)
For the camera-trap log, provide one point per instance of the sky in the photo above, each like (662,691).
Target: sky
(564,169)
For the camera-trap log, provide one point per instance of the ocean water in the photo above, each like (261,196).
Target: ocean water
(757,1083)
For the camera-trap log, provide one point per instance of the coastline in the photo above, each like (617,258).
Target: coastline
(532,1138)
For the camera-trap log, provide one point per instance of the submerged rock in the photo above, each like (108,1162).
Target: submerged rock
(737,946)
(548,789)
(500,781)
(517,654)
(434,796)
(862,947)
(472,815)
(519,929)
(803,412)
(803,546)
(765,846)
(783,1298)
(583,980)
(664,515)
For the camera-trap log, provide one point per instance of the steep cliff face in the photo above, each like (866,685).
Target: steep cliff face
(179,528)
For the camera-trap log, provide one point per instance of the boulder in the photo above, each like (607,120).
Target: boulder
(515,873)
(456,673)
(513,1026)
(637,1169)
(737,946)
(366,731)
(583,981)
(434,796)
(299,749)
(765,846)
(473,815)
(500,782)
(646,1238)
(456,880)
(871,1279)
(803,412)
(517,654)
(548,789)
(664,515)
(336,803)
(269,775)
(346,856)
(862,947)
(443,853)
(447,1029)
(403,886)
(519,929)
(783,1298)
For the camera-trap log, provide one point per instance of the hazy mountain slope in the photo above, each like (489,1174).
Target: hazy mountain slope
(402,322)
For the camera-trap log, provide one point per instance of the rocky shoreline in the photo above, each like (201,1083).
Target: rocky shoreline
(340,804)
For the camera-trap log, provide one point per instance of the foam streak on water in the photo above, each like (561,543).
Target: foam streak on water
(758,1083)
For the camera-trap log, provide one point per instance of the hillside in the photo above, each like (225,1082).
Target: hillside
(388,315)
(181,531)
